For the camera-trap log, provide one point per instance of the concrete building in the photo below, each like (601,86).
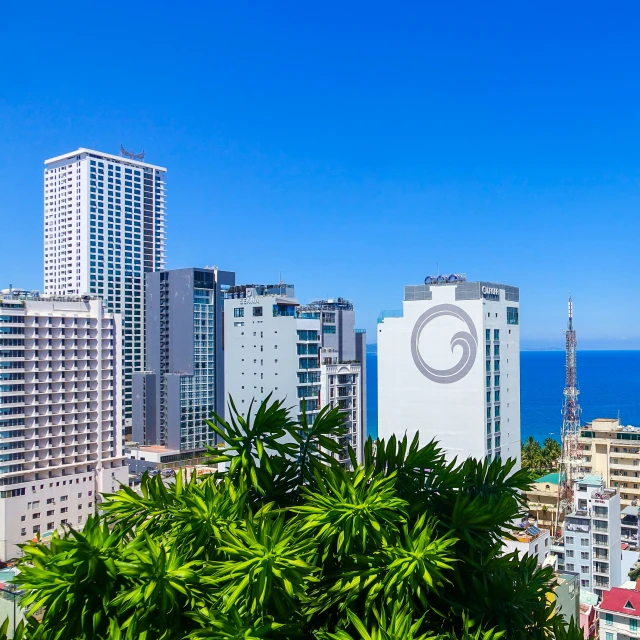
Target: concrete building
(103,230)
(60,421)
(449,368)
(337,319)
(270,350)
(529,540)
(629,526)
(612,450)
(620,613)
(340,386)
(592,536)
(273,345)
(542,500)
(184,380)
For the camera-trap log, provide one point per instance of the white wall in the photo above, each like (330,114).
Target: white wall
(453,413)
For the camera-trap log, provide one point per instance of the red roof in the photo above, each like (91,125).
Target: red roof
(616,599)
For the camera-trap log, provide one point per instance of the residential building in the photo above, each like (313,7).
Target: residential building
(588,614)
(619,613)
(542,500)
(184,380)
(270,350)
(338,332)
(274,346)
(60,422)
(612,450)
(529,539)
(566,594)
(629,526)
(592,535)
(341,386)
(449,368)
(103,230)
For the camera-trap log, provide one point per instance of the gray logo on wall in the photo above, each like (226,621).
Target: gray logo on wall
(468,340)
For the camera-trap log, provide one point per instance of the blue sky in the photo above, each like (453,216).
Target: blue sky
(352,146)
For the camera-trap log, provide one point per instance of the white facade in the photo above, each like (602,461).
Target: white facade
(592,536)
(449,368)
(60,403)
(531,541)
(104,229)
(340,386)
(270,350)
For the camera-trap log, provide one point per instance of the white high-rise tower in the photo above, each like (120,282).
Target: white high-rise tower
(103,230)
(449,368)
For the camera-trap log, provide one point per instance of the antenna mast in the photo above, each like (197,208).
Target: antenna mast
(570,458)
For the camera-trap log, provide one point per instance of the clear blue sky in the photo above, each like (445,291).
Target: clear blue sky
(351,145)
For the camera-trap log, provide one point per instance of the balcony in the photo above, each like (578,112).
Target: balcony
(601,569)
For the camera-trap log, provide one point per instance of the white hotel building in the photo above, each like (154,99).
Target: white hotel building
(269,348)
(449,368)
(60,422)
(104,229)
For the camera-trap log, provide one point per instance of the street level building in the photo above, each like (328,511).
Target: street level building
(449,368)
(612,450)
(103,230)
(184,380)
(60,422)
(620,613)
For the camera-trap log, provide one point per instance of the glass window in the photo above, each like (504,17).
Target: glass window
(328,328)
(512,315)
(488,334)
(496,334)
(488,381)
(608,636)
(238,312)
(257,312)
(608,619)
(633,625)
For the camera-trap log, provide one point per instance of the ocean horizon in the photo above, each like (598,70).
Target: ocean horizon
(609,383)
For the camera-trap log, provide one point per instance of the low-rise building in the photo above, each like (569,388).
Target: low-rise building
(529,540)
(612,450)
(619,614)
(542,500)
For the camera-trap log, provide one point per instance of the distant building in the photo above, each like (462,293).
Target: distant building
(592,536)
(184,380)
(60,413)
(103,230)
(620,613)
(542,499)
(629,526)
(449,368)
(566,594)
(613,451)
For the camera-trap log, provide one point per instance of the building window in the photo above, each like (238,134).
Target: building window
(238,312)
(257,312)
(608,619)
(633,625)
(584,568)
(329,328)
(488,334)
(496,334)
(608,636)
(512,315)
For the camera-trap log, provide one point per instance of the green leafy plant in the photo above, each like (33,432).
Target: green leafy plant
(286,543)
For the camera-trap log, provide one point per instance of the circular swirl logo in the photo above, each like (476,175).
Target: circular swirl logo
(468,340)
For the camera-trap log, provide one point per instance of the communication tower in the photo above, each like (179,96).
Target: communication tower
(571,456)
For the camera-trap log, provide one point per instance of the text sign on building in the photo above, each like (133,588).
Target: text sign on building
(490,293)
(248,300)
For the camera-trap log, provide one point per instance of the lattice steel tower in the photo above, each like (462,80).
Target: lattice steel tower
(571,457)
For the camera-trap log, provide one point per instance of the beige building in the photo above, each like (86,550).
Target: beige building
(613,451)
(542,499)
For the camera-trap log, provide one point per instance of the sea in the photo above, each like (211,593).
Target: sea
(609,383)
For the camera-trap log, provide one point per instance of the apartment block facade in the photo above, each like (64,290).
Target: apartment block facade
(612,450)
(60,421)
(103,230)
(184,380)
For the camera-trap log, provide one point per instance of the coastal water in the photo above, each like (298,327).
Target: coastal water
(609,383)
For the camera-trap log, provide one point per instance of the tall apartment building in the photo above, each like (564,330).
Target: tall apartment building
(592,536)
(272,345)
(337,320)
(184,380)
(60,422)
(449,367)
(612,450)
(104,229)
(269,349)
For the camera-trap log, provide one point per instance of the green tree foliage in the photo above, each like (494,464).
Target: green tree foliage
(288,544)
(541,459)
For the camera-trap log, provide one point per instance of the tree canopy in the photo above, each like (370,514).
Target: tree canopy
(541,459)
(285,543)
